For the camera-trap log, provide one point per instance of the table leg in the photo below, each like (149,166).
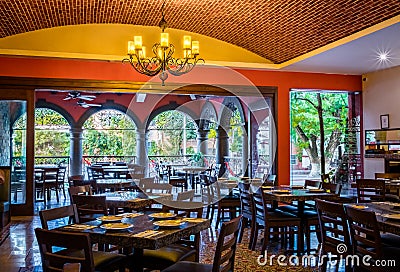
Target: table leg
(137,265)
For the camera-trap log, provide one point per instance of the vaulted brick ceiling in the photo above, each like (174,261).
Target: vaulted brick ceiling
(278,30)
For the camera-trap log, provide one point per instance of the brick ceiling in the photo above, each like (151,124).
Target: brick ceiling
(278,30)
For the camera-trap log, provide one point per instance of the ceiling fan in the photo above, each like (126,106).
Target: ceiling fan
(78,95)
(83,104)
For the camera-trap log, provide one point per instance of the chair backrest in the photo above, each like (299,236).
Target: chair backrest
(332,188)
(333,225)
(61,173)
(50,174)
(369,190)
(260,211)
(149,186)
(95,172)
(75,180)
(53,260)
(312,183)
(80,190)
(224,258)
(364,232)
(89,205)
(387,175)
(185,195)
(246,197)
(48,215)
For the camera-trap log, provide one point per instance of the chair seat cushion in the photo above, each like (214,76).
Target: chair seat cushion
(166,256)
(189,266)
(390,239)
(102,260)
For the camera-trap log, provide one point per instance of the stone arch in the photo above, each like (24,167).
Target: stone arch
(230,104)
(42,103)
(109,105)
(172,106)
(207,112)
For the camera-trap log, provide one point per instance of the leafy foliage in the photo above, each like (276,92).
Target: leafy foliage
(304,118)
(167,133)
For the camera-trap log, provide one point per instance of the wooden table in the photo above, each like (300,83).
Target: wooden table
(116,171)
(112,184)
(299,195)
(133,200)
(381,208)
(128,238)
(191,171)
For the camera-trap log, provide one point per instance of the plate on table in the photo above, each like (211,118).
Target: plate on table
(116,226)
(169,223)
(316,191)
(359,207)
(129,215)
(395,216)
(164,215)
(281,191)
(109,218)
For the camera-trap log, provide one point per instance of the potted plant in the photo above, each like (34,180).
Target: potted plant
(197,159)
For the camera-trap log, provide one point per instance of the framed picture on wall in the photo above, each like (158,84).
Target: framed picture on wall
(385,121)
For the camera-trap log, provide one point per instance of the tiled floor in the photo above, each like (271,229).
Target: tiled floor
(20,248)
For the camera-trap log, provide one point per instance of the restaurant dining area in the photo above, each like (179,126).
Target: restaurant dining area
(187,135)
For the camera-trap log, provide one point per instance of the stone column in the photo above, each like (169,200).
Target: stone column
(222,148)
(141,154)
(202,141)
(245,153)
(76,151)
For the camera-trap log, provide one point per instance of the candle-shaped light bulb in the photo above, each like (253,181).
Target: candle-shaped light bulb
(195,47)
(186,53)
(164,40)
(138,42)
(187,42)
(142,53)
(131,47)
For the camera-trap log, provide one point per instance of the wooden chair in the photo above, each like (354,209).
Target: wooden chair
(90,207)
(61,179)
(79,190)
(148,185)
(333,228)
(185,195)
(247,212)
(187,249)
(78,249)
(48,182)
(366,239)
(176,180)
(48,215)
(224,258)
(369,190)
(280,223)
(225,203)
(332,188)
(387,176)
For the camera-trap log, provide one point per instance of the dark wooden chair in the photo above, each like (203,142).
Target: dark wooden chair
(366,240)
(333,228)
(185,195)
(48,182)
(369,190)
(224,258)
(77,249)
(80,190)
(70,212)
(90,207)
(61,179)
(179,181)
(187,249)
(228,203)
(275,223)
(332,188)
(247,211)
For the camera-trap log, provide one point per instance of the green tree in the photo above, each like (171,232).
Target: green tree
(170,126)
(318,123)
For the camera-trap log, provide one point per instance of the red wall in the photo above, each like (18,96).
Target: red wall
(116,71)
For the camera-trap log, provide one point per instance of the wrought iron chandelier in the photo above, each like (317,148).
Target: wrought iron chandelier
(162,59)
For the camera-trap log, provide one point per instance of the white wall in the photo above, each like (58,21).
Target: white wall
(381,95)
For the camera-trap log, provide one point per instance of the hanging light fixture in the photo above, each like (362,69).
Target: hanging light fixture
(162,59)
